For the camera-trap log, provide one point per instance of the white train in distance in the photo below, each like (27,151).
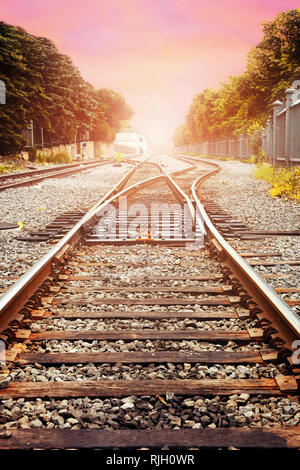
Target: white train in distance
(130,143)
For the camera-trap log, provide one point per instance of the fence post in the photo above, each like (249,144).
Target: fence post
(241,146)
(31,134)
(289,92)
(247,146)
(42,138)
(263,139)
(276,105)
(2,92)
(269,140)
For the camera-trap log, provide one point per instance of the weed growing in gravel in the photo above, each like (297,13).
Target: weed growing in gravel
(285,181)
(9,167)
(3,169)
(60,157)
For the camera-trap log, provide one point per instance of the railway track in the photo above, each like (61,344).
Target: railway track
(135,331)
(28,178)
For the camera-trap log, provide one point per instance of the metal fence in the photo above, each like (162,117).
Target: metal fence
(2,92)
(238,147)
(281,137)
(42,138)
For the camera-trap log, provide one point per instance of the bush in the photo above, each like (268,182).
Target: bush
(50,158)
(32,154)
(43,157)
(285,181)
(259,156)
(12,165)
(3,169)
(255,144)
(62,157)
(250,160)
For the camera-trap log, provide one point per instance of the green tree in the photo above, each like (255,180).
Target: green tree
(246,100)
(45,86)
(111,110)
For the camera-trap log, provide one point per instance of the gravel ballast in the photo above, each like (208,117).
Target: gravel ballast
(170,371)
(237,191)
(64,346)
(38,205)
(167,412)
(134,412)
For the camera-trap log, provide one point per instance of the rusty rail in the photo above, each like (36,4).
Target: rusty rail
(286,320)
(18,294)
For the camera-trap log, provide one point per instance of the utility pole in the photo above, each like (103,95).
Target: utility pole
(42,138)
(31,128)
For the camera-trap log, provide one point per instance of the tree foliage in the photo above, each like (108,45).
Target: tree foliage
(44,86)
(245,101)
(111,111)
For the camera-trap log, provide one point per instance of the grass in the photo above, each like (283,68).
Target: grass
(285,181)
(60,157)
(9,167)
(3,169)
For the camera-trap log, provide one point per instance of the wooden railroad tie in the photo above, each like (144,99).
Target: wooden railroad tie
(185,290)
(240,437)
(120,388)
(87,277)
(152,301)
(222,336)
(149,315)
(149,357)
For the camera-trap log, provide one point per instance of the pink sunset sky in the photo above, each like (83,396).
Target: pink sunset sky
(157,53)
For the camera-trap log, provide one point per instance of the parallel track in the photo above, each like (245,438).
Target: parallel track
(147,317)
(28,178)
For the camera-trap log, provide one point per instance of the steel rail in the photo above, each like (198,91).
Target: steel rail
(65,439)
(58,173)
(148,181)
(185,170)
(188,159)
(18,294)
(288,319)
(67,166)
(181,193)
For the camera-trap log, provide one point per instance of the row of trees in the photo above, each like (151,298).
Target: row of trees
(44,86)
(244,102)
